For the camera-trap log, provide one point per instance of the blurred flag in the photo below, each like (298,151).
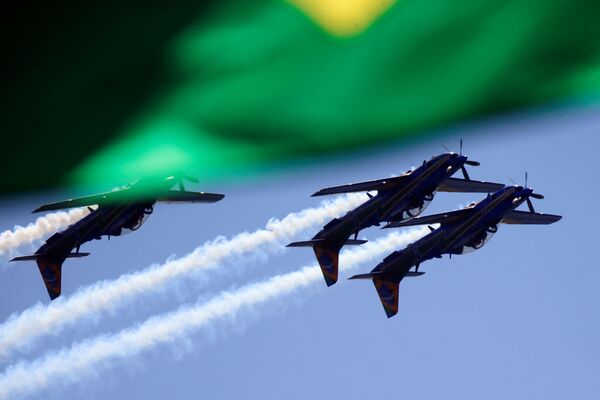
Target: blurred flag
(244,86)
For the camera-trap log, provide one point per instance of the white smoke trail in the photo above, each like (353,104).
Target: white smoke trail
(10,240)
(18,332)
(72,364)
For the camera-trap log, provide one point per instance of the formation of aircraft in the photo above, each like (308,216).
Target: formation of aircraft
(398,202)
(399,198)
(118,212)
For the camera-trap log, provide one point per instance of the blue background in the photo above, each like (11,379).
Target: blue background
(517,319)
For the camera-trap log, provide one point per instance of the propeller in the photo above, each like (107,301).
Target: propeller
(530,205)
(468,162)
(534,195)
(472,163)
(465,173)
(188,178)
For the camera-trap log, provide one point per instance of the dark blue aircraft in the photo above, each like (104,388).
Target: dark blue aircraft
(118,212)
(460,232)
(397,199)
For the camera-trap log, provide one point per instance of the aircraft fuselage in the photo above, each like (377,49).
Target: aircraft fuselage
(397,203)
(470,233)
(107,220)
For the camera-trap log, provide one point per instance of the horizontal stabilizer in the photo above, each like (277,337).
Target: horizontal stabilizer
(355,242)
(34,257)
(469,186)
(77,255)
(442,218)
(322,242)
(529,218)
(178,196)
(412,274)
(378,184)
(369,275)
(306,243)
(317,242)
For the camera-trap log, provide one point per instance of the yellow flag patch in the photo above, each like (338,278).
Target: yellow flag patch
(343,18)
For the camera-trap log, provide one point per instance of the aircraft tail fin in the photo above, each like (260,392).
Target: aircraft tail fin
(327,252)
(51,272)
(388,294)
(386,289)
(328,261)
(327,256)
(50,269)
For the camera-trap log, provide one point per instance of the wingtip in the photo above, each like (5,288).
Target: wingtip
(216,197)
(557,218)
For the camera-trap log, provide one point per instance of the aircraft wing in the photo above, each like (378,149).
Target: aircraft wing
(79,202)
(171,196)
(367,186)
(178,196)
(443,218)
(529,218)
(469,186)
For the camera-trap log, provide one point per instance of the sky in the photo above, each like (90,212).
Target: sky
(516,319)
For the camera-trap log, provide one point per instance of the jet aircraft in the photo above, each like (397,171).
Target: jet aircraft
(118,212)
(460,232)
(397,199)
